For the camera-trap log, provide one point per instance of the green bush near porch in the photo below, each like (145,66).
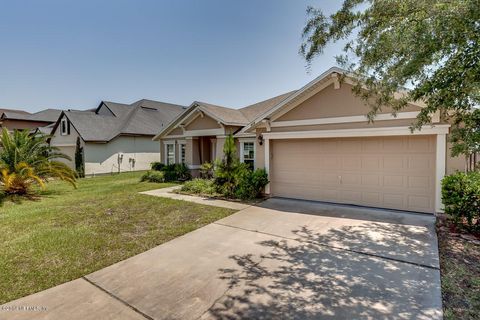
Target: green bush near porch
(167,173)
(461,197)
(250,183)
(231,178)
(200,186)
(153,176)
(157,166)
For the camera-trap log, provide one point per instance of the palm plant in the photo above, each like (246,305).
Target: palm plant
(26,160)
(225,170)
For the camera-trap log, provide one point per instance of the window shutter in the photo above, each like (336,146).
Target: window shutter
(68,127)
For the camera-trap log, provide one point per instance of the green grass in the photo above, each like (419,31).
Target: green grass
(69,233)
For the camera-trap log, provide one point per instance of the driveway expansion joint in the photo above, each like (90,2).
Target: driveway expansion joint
(334,247)
(146,316)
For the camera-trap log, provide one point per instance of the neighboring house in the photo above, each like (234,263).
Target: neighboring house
(115,137)
(20,120)
(317,144)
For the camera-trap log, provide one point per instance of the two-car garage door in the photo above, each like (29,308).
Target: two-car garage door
(389,172)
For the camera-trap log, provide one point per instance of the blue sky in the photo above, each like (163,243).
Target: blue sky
(73,54)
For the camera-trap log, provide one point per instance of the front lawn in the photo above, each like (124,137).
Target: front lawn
(70,233)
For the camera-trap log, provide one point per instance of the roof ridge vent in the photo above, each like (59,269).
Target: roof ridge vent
(149,108)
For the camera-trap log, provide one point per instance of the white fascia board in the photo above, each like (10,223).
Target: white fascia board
(245,139)
(363,132)
(174,137)
(350,119)
(204,132)
(245,135)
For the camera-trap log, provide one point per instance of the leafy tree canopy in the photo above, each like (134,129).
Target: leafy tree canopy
(429,46)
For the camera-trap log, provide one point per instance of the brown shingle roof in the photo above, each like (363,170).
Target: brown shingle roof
(244,115)
(252,111)
(225,115)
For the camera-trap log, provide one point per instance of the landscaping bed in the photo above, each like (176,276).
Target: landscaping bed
(460,271)
(219,196)
(70,232)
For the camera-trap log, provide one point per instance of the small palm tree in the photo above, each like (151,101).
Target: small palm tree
(27,159)
(226,168)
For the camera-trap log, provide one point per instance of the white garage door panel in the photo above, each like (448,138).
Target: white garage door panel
(389,172)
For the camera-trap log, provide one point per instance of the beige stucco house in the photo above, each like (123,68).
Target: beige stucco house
(115,137)
(317,144)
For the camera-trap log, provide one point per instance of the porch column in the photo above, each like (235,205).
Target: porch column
(266,144)
(192,153)
(441,153)
(219,147)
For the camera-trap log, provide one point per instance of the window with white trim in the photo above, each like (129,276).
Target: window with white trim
(169,153)
(183,153)
(248,153)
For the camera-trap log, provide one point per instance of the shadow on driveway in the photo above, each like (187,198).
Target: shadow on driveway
(306,279)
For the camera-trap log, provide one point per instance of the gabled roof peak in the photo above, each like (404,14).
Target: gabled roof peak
(127,119)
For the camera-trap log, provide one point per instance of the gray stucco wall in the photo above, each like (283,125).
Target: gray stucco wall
(126,153)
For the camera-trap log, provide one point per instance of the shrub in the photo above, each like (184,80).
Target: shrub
(182,172)
(169,173)
(157,166)
(250,184)
(206,170)
(199,186)
(461,197)
(153,176)
(176,172)
(235,179)
(225,170)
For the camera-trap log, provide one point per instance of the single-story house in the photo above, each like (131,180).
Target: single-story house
(21,120)
(114,137)
(317,144)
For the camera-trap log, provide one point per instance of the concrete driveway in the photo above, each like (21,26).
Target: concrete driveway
(283,259)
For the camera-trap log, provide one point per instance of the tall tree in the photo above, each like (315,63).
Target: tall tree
(466,138)
(429,46)
(79,159)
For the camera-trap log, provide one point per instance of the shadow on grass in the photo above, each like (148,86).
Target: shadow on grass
(33,196)
(307,280)
(51,192)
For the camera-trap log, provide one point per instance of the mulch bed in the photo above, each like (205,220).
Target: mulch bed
(460,271)
(221,197)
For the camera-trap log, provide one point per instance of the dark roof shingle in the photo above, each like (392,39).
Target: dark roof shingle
(47,115)
(144,117)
